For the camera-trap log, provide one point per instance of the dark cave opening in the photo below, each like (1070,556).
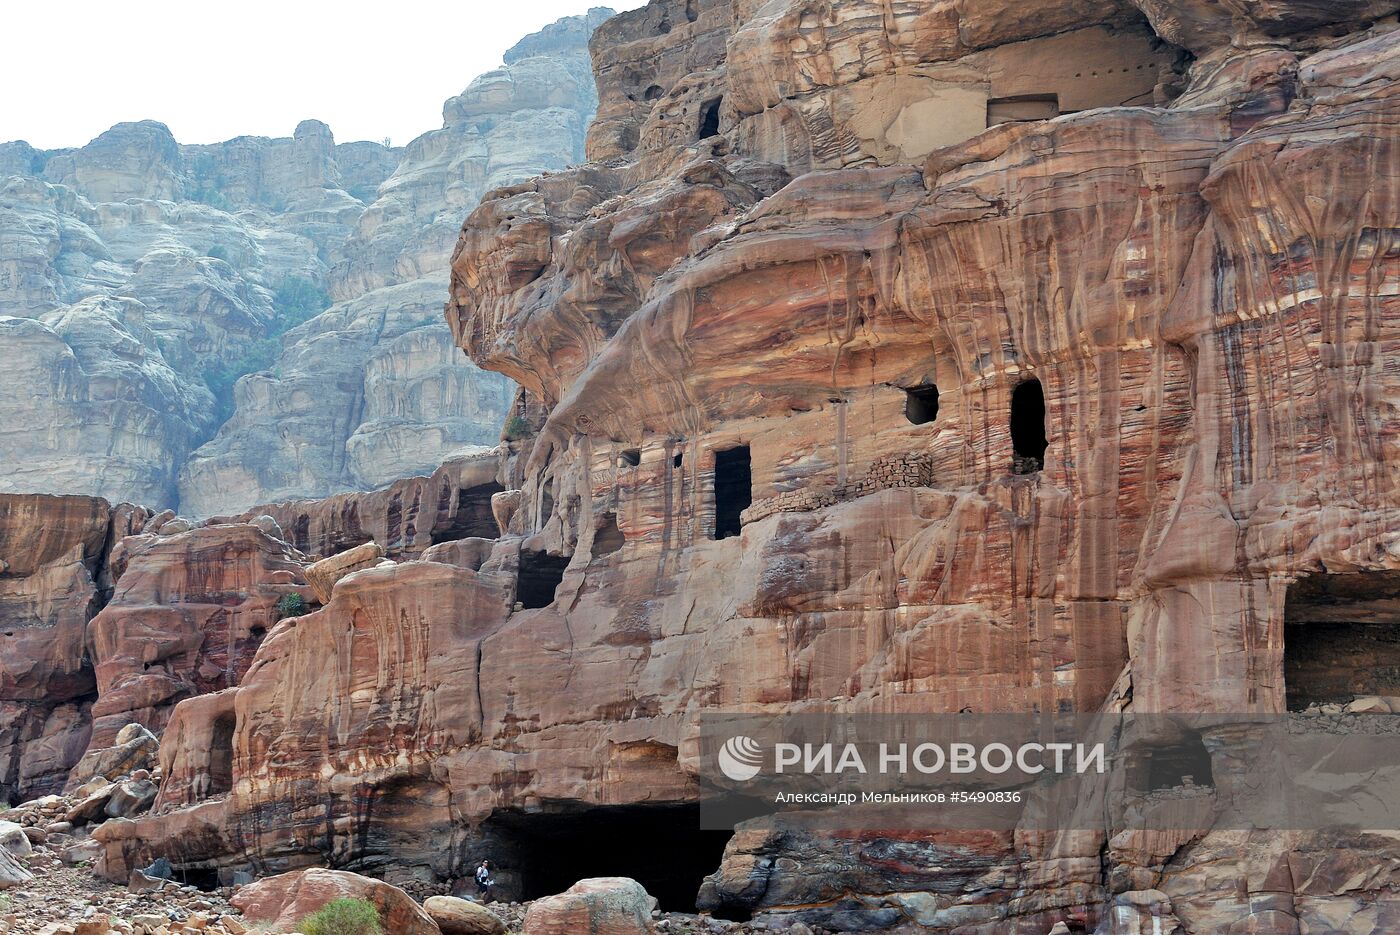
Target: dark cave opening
(1028,441)
(474,518)
(204,879)
(1341,638)
(630,457)
(221,755)
(539,575)
(733,490)
(709,118)
(607,538)
(921,404)
(1185,762)
(660,846)
(1022,108)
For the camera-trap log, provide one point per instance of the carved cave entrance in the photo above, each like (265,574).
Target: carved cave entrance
(921,404)
(539,575)
(607,538)
(709,119)
(1028,439)
(221,755)
(733,490)
(1341,638)
(1022,108)
(659,846)
(1184,762)
(474,518)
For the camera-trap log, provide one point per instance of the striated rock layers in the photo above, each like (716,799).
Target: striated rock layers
(141,278)
(888,357)
(55,575)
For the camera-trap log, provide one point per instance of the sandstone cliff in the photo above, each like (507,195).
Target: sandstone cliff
(887,357)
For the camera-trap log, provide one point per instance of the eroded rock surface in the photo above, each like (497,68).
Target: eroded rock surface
(1086,409)
(54,577)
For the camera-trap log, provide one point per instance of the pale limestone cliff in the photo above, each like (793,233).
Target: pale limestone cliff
(199,264)
(374,389)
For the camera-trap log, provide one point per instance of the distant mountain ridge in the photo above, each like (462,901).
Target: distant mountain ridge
(212,326)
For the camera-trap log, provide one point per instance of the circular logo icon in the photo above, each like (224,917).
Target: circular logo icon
(740,758)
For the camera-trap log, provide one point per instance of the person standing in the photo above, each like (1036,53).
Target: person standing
(484,882)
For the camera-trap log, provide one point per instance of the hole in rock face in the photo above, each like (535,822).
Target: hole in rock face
(630,457)
(608,537)
(205,879)
(1022,108)
(474,518)
(539,576)
(709,118)
(221,755)
(1028,439)
(1341,638)
(921,404)
(678,460)
(1171,765)
(659,846)
(653,92)
(733,489)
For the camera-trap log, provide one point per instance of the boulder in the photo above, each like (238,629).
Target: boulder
(282,901)
(14,840)
(131,798)
(91,806)
(1370,704)
(83,852)
(323,575)
(599,906)
(134,748)
(463,917)
(268,525)
(12,872)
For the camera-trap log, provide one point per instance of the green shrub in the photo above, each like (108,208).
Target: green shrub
(297,300)
(516,428)
(291,605)
(343,917)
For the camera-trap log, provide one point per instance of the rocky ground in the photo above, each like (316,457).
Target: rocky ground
(65,899)
(71,900)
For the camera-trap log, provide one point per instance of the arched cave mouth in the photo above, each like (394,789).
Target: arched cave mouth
(662,847)
(733,490)
(921,404)
(1341,638)
(1028,439)
(221,755)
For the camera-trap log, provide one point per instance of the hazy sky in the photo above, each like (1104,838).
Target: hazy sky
(257,67)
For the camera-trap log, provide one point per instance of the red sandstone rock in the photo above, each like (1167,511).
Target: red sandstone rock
(186,618)
(1204,292)
(283,901)
(600,906)
(54,576)
(323,575)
